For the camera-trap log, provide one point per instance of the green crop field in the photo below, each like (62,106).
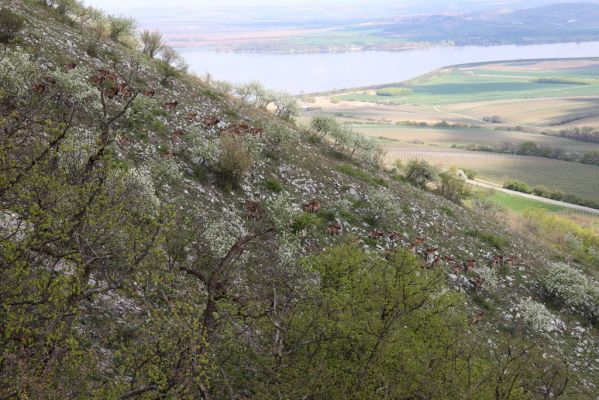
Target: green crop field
(514,202)
(461,86)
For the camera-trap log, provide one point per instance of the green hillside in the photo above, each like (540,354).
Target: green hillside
(163,238)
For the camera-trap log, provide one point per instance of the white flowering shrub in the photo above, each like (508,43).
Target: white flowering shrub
(17,76)
(139,183)
(573,289)
(342,205)
(282,211)
(76,148)
(537,316)
(382,205)
(489,276)
(164,171)
(74,85)
(289,248)
(205,152)
(221,235)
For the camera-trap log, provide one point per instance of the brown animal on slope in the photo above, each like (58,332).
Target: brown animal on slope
(258,132)
(236,129)
(496,261)
(377,235)
(478,284)
(395,235)
(49,80)
(111,92)
(334,230)
(312,207)
(171,106)
(177,133)
(477,318)
(431,256)
(470,265)
(456,269)
(191,116)
(39,88)
(509,261)
(210,121)
(69,67)
(254,209)
(96,80)
(149,92)
(415,243)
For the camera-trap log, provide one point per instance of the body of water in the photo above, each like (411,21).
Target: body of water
(297,73)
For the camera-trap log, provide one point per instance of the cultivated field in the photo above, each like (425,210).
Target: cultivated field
(448,137)
(485,105)
(579,179)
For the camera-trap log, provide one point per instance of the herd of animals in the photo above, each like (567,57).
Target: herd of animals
(111,86)
(461,271)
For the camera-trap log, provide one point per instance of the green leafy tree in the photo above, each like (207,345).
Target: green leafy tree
(151,42)
(120,27)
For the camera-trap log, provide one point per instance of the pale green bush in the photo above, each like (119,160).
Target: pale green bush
(573,289)
(382,205)
(489,276)
(537,316)
(323,124)
(276,135)
(17,75)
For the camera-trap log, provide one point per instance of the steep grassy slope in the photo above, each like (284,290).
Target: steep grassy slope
(159,250)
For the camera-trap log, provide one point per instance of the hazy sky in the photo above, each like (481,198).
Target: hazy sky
(415,5)
(110,4)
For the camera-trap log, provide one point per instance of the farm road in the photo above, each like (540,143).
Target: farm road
(490,185)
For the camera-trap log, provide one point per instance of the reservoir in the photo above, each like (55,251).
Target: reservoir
(306,73)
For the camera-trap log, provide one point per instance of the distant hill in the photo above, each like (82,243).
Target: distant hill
(563,22)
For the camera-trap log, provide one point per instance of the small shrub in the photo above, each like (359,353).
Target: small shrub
(327,215)
(447,211)
(453,187)
(234,162)
(517,186)
(305,221)
(350,170)
(276,135)
(273,185)
(420,173)
(382,206)
(482,302)
(471,174)
(91,49)
(495,119)
(491,239)
(10,25)
(541,191)
(489,276)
